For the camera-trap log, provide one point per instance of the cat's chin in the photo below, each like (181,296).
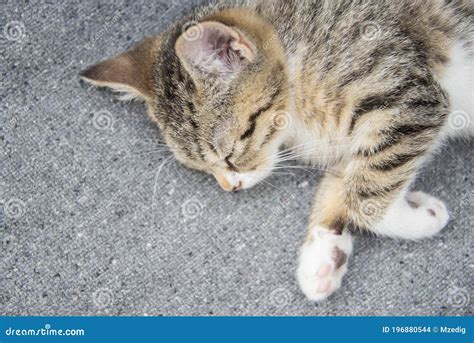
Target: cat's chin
(250,179)
(232,181)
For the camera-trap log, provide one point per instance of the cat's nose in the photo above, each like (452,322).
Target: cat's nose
(229,181)
(237,187)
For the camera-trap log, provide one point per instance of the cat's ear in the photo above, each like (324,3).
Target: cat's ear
(214,48)
(130,73)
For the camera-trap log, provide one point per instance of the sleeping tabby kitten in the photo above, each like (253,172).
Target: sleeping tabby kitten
(366,89)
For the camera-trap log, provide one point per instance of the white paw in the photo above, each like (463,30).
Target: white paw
(323,263)
(432,214)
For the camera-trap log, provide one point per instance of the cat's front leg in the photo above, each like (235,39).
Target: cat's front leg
(389,143)
(325,253)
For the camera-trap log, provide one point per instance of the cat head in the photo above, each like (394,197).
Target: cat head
(217,89)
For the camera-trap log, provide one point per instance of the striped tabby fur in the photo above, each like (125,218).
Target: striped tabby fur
(362,88)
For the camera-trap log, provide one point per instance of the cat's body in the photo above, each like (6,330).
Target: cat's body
(366,89)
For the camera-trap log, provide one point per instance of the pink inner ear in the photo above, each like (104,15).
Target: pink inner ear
(218,49)
(229,57)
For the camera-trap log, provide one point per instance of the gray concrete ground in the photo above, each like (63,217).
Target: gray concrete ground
(89,227)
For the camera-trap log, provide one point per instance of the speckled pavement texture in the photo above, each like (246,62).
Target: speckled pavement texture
(97,219)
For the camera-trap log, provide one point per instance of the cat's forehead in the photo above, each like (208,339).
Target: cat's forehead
(222,134)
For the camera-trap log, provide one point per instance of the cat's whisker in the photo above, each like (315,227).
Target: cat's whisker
(290,151)
(299,167)
(147,141)
(286,150)
(269,184)
(301,150)
(152,144)
(306,147)
(154,149)
(308,169)
(283,166)
(301,157)
(281,173)
(144,153)
(303,154)
(160,168)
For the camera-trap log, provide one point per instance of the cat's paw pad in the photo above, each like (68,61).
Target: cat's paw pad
(323,263)
(433,212)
